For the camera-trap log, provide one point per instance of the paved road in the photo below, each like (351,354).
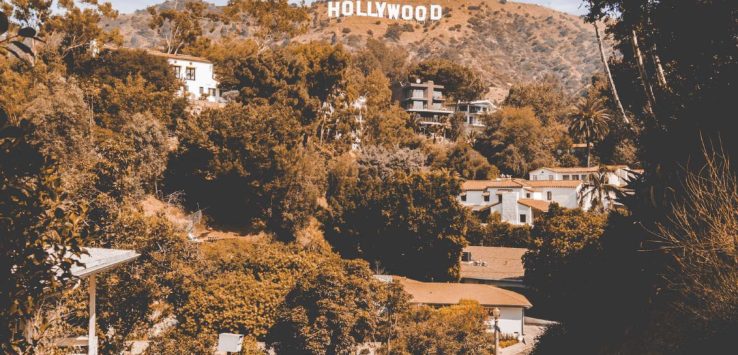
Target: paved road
(531,333)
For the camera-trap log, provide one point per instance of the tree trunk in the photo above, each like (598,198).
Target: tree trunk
(589,148)
(613,89)
(651,99)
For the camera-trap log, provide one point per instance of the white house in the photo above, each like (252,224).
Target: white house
(473,109)
(197,74)
(519,201)
(512,305)
(617,175)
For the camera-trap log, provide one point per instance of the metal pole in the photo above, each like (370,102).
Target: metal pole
(91,338)
(497,337)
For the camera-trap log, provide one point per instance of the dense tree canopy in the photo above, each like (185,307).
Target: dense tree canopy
(460,82)
(404,222)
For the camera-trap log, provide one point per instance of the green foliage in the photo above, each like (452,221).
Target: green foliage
(377,54)
(546,97)
(124,82)
(246,166)
(40,229)
(460,82)
(179,27)
(589,121)
(458,329)
(462,159)
(135,296)
(515,141)
(562,237)
(300,76)
(330,310)
(405,223)
(496,233)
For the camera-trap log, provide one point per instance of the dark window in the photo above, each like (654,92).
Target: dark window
(486,198)
(566,177)
(212,92)
(499,198)
(466,256)
(177,70)
(549,195)
(523,218)
(190,73)
(527,195)
(463,197)
(575,177)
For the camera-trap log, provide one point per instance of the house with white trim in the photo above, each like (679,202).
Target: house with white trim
(472,111)
(197,75)
(519,201)
(617,175)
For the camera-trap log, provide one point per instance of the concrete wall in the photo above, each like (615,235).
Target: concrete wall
(510,322)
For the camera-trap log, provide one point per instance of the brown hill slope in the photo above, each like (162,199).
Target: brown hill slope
(507,43)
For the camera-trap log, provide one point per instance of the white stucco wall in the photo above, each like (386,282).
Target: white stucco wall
(204,78)
(510,322)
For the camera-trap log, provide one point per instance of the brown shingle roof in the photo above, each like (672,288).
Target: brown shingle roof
(494,264)
(439,293)
(540,205)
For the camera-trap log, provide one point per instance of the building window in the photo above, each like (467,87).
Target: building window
(202,91)
(523,218)
(486,198)
(499,198)
(418,93)
(566,177)
(212,92)
(527,195)
(466,256)
(550,177)
(177,70)
(575,177)
(190,73)
(535,178)
(549,195)
(463,198)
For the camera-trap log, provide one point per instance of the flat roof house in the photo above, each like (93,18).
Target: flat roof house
(472,111)
(512,305)
(497,266)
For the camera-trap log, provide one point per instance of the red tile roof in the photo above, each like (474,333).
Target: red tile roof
(478,185)
(540,205)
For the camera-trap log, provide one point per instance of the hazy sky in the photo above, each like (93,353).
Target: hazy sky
(570,6)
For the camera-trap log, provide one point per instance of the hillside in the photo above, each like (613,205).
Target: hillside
(507,43)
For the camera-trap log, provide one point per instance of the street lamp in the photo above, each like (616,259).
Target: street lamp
(496,316)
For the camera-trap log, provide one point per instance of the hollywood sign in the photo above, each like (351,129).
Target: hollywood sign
(383,9)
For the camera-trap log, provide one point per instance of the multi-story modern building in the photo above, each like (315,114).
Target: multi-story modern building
(425,101)
(473,109)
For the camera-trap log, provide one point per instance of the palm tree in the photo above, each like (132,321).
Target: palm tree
(597,190)
(589,121)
